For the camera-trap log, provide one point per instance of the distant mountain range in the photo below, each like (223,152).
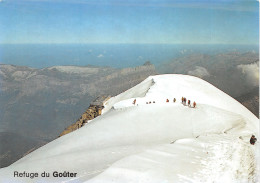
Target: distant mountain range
(38,104)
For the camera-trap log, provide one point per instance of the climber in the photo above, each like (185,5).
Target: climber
(188,102)
(134,101)
(174,100)
(253,140)
(150,102)
(194,104)
(182,99)
(146,102)
(167,100)
(153,101)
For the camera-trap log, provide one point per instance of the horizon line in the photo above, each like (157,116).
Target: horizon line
(130,44)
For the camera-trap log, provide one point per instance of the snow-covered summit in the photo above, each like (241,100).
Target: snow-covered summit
(157,142)
(162,87)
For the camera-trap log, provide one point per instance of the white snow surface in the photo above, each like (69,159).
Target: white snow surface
(154,143)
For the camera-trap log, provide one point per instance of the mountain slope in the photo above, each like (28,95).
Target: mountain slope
(130,141)
(251,101)
(39,103)
(11,148)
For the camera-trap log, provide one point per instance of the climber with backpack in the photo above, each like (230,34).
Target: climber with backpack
(194,104)
(253,140)
(188,102)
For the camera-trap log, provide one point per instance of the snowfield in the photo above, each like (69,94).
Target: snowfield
(161,142)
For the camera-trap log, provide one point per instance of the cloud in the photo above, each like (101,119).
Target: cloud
(199,72)
(251,72)
(140,58)
(183,51)
(100,56)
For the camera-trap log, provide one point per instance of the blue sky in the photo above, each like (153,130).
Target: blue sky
(125,21)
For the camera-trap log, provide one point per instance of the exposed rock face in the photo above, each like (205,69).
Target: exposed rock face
(93,111)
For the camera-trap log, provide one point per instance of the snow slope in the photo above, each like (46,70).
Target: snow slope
(158,142)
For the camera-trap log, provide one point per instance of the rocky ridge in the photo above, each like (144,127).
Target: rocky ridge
(93,111)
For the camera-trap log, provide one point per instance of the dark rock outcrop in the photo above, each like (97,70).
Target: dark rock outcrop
(93,111)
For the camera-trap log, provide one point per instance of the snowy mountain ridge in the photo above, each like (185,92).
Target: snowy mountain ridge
(160,88)
(157,142)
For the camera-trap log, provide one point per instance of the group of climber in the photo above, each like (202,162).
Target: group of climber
(174,100)
(253,139)
(183,101)
(150,102)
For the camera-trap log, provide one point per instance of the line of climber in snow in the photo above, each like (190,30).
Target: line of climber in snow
(253,139)
(183,101)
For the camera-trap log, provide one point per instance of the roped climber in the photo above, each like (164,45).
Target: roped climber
(253,140)
(194,104)
(188,102)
